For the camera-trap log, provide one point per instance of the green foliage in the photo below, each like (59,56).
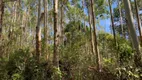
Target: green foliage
(129,72)
(14,66)
(125,52)
(108,62)
(116,13)
(57,74)
(22,66)
(100,7)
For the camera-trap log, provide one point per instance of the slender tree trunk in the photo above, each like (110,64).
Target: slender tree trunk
(121,19)
(45,25)
(83,6)
(15,15)
(56,36)
(91,35)
(138,20)
(38,33)
(129,16)
(95,38)
(56,42)
(18,10)
(84,27)
(1,16)
(62,28)
(112,22)
(20,20)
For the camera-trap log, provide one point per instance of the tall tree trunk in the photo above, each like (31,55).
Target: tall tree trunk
(84,26)
(95,38)
(56,36)
(83,6)
(62,28)
(56,42)
(112,22)
(121,19)
(45,25)
(91,35)
(138,20)
(129,16)
(38,33)
(1,16)
(19,18)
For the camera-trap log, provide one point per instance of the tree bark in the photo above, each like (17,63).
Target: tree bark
(135,42)
(62,28)
(38,32)
(95,38)
(91,35)
(1,16)
(56,36)
(45,25)
(138,20)
(112,22)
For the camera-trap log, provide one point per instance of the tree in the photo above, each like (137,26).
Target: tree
(38,32)
(112,22)
(95,38)
(56,36)
(1,16)
(62,28)
(90,25)
(121,19)
(45,24)
(138,20)
(135,42)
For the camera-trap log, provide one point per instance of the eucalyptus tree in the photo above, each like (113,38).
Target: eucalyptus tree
(121,19)
(135,42)
(1,16)
(62,11)
(38,32)
(138,20)
(62,15)
(56,35)
(112,21)
(90,25)
(95,38)
(83,7)
(45,2)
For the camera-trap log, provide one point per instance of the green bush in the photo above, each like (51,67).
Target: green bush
(22,66)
